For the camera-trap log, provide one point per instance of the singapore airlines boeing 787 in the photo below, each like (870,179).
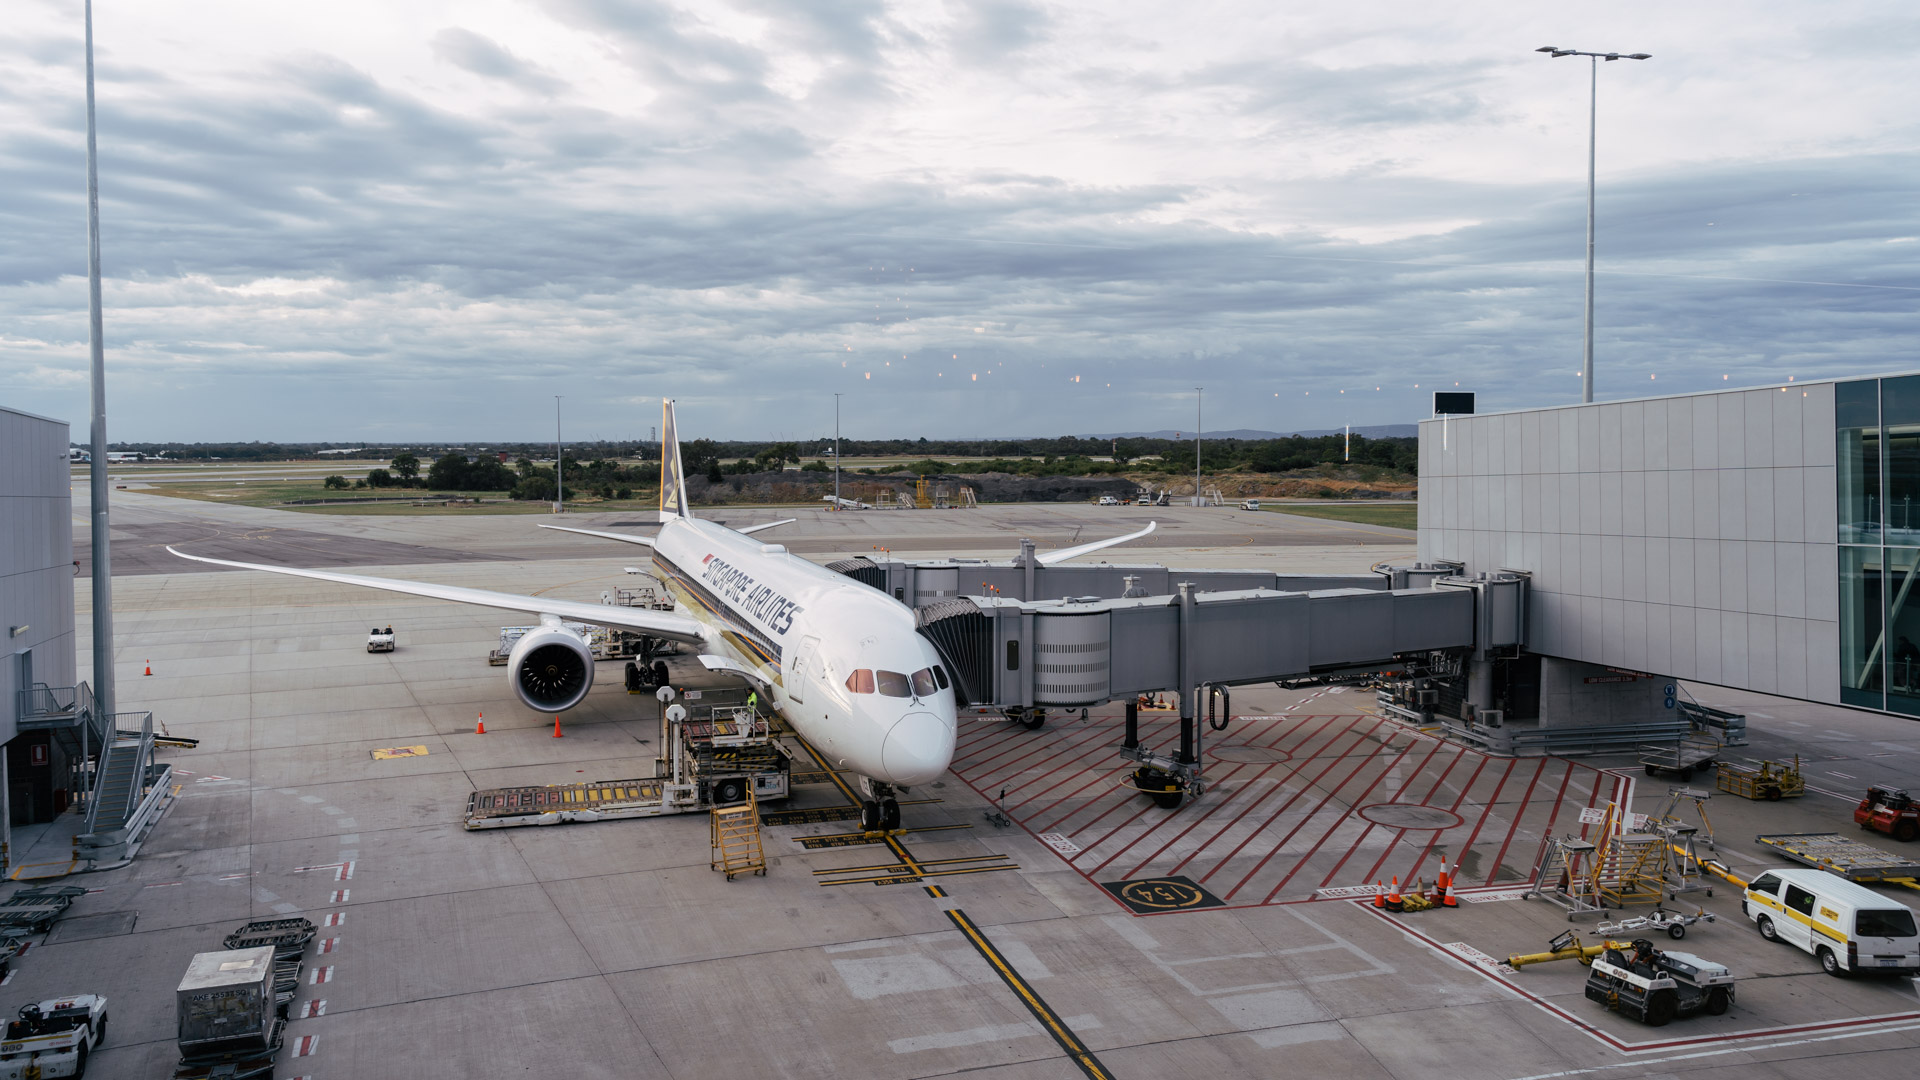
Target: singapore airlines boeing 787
(841,661)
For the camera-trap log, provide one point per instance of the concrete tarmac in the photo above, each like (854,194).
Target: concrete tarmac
(612,950)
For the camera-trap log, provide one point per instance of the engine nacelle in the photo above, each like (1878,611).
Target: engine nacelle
(551,668)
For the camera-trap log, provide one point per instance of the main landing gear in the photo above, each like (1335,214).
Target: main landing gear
(1031,719)
(879,810)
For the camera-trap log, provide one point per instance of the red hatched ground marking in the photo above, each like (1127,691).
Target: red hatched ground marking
(305,1045)
(1295,803)
(314,1007)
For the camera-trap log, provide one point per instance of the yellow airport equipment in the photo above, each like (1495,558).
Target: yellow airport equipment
(735,836)
(1772,781)
(1564,947)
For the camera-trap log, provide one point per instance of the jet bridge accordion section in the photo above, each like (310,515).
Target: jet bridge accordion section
(1010,653)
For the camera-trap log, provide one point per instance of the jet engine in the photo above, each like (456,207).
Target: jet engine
(551,668)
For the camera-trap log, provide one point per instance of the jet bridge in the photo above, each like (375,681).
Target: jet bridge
(1021,637)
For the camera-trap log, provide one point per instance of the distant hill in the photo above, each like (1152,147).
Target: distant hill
(1378,431)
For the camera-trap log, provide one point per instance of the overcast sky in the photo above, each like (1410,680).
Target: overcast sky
(388,221)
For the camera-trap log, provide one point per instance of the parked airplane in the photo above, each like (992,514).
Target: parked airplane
(841,661)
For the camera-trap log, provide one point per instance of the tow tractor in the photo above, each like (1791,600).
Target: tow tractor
(379,640)
(1653,986)
(53,1038)
(1889,810)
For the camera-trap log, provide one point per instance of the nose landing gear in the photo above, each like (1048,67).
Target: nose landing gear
(879,811)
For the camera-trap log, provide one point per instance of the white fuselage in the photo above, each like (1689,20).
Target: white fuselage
(844,662)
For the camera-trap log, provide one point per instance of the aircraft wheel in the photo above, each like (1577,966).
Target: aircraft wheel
(660,676)
(889,815)
(869,816)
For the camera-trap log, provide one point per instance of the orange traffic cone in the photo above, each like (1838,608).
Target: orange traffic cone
(481,727)
(1379,894)
(556,727)
(149,670)
(1395,902)
(1447,898)
(1445,879)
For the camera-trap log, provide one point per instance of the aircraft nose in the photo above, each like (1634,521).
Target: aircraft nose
(918,749)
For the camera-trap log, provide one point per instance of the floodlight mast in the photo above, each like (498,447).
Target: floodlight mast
(102,547)
(1593,97)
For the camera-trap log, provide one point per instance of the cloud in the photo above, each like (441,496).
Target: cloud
(487,59)
(424,231)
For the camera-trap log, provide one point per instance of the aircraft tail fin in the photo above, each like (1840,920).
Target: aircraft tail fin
(673,478)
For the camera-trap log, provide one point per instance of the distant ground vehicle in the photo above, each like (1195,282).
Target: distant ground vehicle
(1250,504)
(54,1037)
(379,640)
(1847,926)
(1889,810)
(1108,500)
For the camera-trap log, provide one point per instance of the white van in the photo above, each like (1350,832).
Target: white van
(1849,927)
(1250,504)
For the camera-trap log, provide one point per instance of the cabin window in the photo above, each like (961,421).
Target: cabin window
(923,684)
(940,676)
(1892,922)
(861,682)
(892,684)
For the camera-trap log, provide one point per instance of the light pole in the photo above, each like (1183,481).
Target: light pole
(1593,98)
(836,451)
(1198,393)
(559,462)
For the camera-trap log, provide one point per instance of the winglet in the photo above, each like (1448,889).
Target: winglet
(1064,554)
(673,477)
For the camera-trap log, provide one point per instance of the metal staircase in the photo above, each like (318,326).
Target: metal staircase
(1562,876)
(735,837)
(130,793)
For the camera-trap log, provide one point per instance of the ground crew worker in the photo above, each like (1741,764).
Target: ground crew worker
(753,702)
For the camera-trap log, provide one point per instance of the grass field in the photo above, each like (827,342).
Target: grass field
(1393,515)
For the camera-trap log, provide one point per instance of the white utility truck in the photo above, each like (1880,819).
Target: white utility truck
(379,640)
(53,1038)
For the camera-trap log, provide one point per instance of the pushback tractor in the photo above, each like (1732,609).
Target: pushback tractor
(1654,987)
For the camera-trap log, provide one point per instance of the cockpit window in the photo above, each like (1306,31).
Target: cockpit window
(861,682)
(940,675)
(923,684)
(892,684)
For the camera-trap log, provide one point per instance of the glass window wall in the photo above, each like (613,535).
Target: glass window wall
(1878,431)
(1857,415)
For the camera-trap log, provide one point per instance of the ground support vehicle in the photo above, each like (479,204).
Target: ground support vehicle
(33,910)
(1772,781)
(1847,927)
(1654,987)
(379,640)
(53,1038)
(1694,751)
(288,939)
(719,758)
(1891,811)
(1250,504)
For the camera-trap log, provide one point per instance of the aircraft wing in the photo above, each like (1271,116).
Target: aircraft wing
(1064,554)
(657,623)
(751,529)
(623,537)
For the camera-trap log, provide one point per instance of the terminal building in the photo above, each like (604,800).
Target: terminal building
(36,606)
(1762,539)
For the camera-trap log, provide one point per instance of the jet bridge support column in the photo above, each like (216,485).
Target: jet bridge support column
(1170,779)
